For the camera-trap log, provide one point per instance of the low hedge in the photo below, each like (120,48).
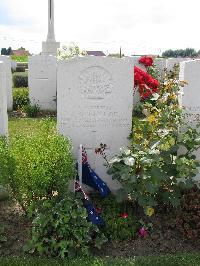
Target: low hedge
(20,98)
(20,79)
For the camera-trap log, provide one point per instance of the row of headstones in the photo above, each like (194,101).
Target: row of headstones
(94,99)
(43,77)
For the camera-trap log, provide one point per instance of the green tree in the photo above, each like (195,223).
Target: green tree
(188,52)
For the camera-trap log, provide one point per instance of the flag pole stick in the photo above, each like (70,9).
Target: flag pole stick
(80,173)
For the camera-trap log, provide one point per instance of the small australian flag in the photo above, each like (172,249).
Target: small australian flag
(90,178)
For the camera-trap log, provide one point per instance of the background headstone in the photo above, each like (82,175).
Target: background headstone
(7,65)
(42,81)
(190,72)
(3,101)
(95,101)
(161,64)
(172,61)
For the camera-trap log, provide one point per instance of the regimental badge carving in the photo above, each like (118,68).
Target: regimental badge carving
(95,83)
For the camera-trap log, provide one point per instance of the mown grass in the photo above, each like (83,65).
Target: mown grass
(28,126)
(20,58)
(167,260)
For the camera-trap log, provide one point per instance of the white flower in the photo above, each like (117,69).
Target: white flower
(145,112)
(114,160)
(130,161)
(163,132)
(155,96)
(165,96)
(125,151)
(154,151)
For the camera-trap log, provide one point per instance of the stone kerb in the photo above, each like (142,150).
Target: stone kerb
(42,81)
(7,62)
(190,72)
(3,101)
(95,101)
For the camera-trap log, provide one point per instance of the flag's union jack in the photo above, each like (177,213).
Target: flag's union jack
(90,178)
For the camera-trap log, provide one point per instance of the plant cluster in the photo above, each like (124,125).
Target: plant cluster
(61,229)
(153,169)
(20,80)
(36,166)
(120,221)
(31,110)
(20,98)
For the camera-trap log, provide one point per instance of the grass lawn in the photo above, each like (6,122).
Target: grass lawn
(168,260)
(27,126)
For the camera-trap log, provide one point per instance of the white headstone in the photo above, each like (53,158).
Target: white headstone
(172,61)
(135,61)
(3,101)
(161,64)
(95,101)
(7,62)
(42,81)
(190,72)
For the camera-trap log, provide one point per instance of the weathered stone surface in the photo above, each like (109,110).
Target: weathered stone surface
(3,101)
(42,81)
(95,99)
(7,62)
(190,72)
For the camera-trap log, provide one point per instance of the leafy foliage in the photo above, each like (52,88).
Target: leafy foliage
(119,218)
(154,169)
(36,166)
(61,229)
(20,98)
(188,52)
(20,80)
(31,110)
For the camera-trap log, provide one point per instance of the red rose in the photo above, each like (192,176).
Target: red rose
(147,85)
(147,61)
(124,215)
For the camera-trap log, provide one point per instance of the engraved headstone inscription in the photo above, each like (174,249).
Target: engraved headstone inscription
(94,105)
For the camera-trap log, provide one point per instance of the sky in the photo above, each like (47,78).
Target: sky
(138,26)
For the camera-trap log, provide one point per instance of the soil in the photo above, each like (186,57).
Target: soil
(15,231)
(164,238)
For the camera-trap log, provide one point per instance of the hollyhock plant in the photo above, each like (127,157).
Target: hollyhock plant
(150,168)
(147,61)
